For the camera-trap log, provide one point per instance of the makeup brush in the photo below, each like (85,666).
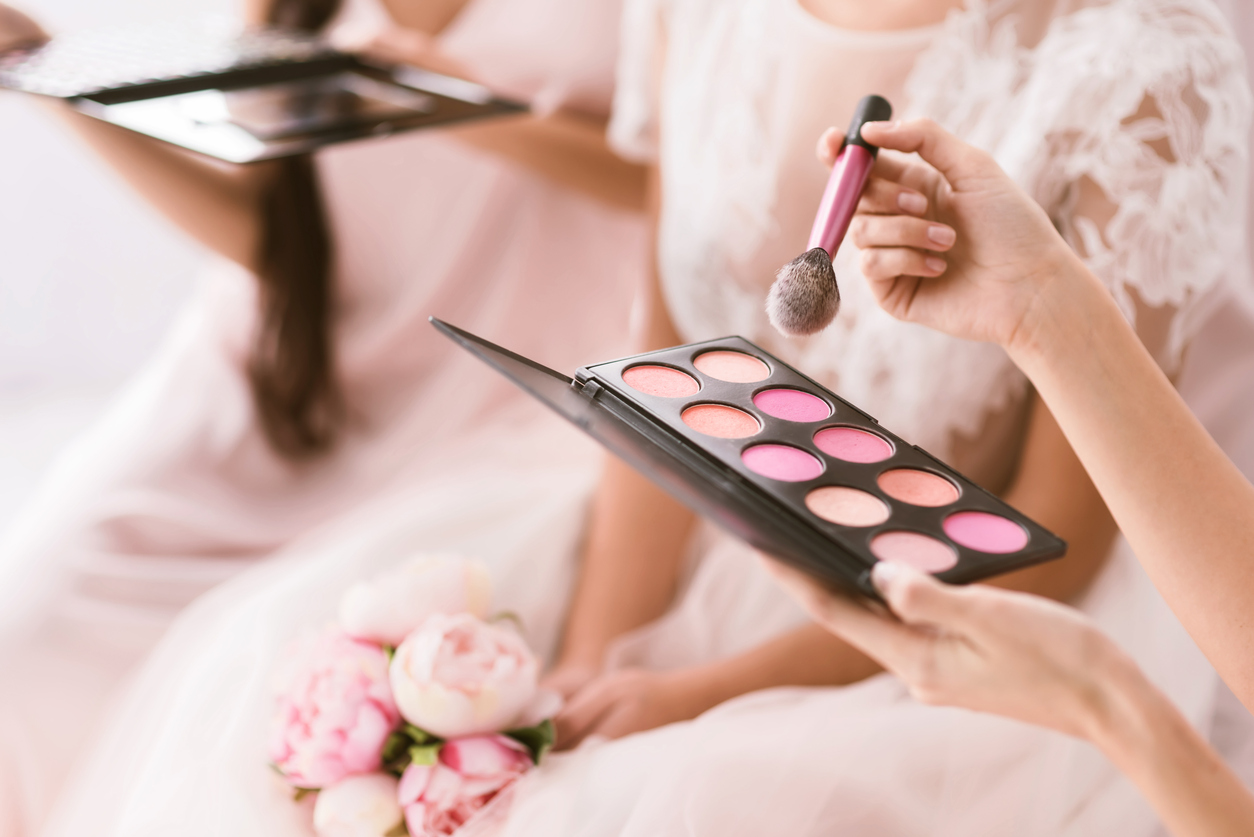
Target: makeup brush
(805,296)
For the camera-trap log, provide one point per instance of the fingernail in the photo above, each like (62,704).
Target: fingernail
(943,236)
(912,202)
(883,574)
(935,265)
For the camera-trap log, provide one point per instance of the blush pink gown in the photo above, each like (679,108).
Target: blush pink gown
(175,490)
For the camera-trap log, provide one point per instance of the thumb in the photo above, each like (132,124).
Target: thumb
(920,599)
(949,155)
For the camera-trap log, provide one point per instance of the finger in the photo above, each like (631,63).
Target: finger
(888,197)
(950,155)
(881,637)
(582,712)
(920,599)
(900,231)
(880,264)
(830,144)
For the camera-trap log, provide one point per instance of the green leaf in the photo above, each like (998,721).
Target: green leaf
(389,651)
(425,754)
(398,830)
(300,793)
(537,739)
(419,736)
(509,616)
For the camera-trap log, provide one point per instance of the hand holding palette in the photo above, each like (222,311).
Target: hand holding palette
(788,466)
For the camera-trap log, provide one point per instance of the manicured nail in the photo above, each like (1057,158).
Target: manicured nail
(934,264)
(912,202)
(882,575)
(944,236)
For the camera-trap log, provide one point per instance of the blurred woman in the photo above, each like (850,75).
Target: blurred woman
(303,385)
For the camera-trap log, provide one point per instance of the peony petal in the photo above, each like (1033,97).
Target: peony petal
(414,783)
(485,756)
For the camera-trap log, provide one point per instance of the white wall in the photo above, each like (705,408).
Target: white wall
(89,276)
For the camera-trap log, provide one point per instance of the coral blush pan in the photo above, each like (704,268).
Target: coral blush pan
(785,464)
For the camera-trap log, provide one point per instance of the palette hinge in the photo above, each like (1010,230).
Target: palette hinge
(589,388)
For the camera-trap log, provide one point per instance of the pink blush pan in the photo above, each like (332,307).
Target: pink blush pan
(986,532)
(662,381)
(913,549)
(721,421)
(847,506)
(782,462)
(852,445)
(792,405)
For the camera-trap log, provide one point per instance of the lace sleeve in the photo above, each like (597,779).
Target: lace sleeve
(1147,157)
(633,129)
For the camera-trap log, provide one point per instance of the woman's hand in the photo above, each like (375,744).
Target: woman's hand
(18,30)
(981,648)
(948,239)
(630,700)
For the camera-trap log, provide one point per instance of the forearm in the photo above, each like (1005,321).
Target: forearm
(1183,506)
(216,204)
(1186,782)
(567,148)
(807,656)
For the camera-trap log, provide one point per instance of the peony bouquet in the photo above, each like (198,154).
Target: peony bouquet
(414,712)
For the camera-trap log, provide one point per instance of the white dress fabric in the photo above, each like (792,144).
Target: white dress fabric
(176,489)
(729,96)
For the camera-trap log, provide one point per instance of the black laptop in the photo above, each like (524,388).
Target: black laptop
(238,93)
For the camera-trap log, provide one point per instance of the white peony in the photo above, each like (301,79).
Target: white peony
(388,607)
(359,806)
(458,675)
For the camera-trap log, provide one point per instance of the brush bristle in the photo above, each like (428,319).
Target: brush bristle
(805,297)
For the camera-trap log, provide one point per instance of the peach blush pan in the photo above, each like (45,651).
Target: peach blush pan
(662,381)
(734,367)
(792,405)
(852,445)
(918,488)
(721,421)
(846,506)
(920,551)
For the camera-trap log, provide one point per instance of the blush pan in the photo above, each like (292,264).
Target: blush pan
(783,463)
(736,367)
(661,381)
(792,405)
(721,421)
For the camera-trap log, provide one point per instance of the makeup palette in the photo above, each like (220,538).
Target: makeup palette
(782,462)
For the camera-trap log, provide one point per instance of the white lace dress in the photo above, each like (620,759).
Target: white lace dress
(729,96)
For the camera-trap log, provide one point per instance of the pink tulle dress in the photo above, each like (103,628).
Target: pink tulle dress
(175,490)
(728,96)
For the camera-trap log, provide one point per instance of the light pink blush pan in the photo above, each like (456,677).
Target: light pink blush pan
(721,421)
(986,532)
(847,506)
(662,381)
(792,405)
(736,367)
(852,445)
(782,462)
(913,549)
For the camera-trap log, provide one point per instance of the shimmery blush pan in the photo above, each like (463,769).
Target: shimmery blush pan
(783,463)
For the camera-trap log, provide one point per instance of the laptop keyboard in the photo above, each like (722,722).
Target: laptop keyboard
(86,63)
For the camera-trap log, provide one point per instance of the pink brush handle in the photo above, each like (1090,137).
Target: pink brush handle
(840,198)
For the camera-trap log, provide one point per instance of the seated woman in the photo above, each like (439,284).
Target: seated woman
(1185,508)
(303,385)
(726,97)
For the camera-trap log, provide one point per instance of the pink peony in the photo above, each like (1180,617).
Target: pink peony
(334,712)
(440,798)
(458,676)
(388,607)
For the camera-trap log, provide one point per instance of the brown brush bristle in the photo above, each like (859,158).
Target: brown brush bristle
(805,297)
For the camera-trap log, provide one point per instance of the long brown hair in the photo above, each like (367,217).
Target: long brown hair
(291,368)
